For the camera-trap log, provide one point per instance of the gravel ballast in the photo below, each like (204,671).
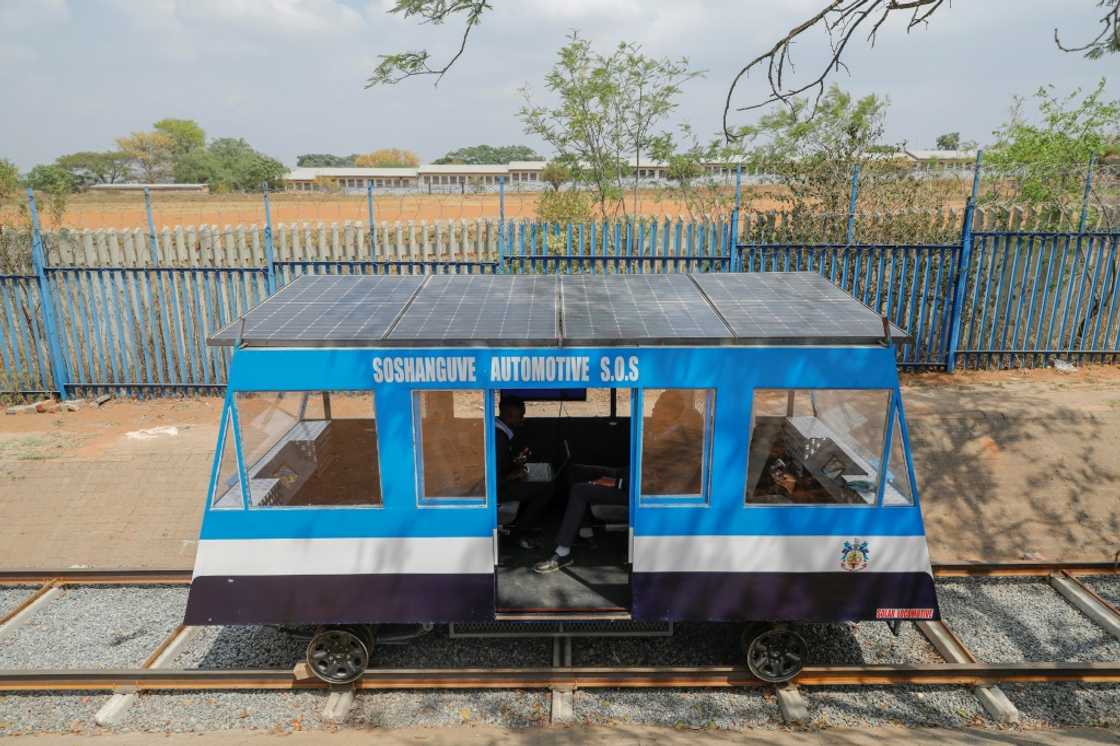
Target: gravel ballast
(209,711)
(732,709)
(95,627)
(910,706)
(434,709)
(1106,586)
(11,597)
(1004,620)
(1053,705)
(44,712)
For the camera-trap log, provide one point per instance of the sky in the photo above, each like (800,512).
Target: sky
(288,75)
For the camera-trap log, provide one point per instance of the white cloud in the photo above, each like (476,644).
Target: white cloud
(23,15)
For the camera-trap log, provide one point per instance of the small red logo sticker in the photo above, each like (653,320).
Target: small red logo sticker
(904,613)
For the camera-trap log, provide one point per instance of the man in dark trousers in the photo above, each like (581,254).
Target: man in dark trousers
(591,485)
(512,485)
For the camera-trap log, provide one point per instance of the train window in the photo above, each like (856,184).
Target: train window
(227,489)
(309,449)
(898,490)
(676,439)
(451,445)
(816,446)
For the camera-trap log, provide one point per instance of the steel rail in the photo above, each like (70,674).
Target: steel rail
(130,576)
(957,674)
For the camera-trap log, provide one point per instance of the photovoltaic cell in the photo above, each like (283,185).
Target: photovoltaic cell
(507,309)
(650,309)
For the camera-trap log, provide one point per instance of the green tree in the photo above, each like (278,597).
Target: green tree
(949,141)
(229,164)
(185,135)
(814,152)
(476,155)
(9,181)
(556,175)
(325,160)
(560,207)
(56,184)
(609,113)
(151,155)
(90,167)
(1046,157)
(388,158)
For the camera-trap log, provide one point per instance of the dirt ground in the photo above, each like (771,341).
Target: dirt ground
(92,210)
(1010,465)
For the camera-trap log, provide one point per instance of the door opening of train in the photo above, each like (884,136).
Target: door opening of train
(571,466)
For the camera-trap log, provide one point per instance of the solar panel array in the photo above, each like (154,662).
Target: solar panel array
(549,310)
(506,309)
(790,308)
(638,309)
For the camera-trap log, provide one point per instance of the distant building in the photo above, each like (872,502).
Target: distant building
(136,187)
(349,179)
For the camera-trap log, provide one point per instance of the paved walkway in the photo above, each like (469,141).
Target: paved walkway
(619,735)
(1009,464)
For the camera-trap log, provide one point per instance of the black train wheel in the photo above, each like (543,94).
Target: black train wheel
(776,655)
(338,655)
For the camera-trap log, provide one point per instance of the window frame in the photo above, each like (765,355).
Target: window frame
(417,431)
(701,500)
(880,487)
(242,468)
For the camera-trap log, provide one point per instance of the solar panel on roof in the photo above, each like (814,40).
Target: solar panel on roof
(641,308)
(790,308)
(454,309)
(325,309)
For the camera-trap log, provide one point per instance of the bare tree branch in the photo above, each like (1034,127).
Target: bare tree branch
(394,68)
(839,20)
(1108,40)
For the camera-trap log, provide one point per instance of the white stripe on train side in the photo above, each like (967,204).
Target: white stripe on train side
(449,555)
(778,553)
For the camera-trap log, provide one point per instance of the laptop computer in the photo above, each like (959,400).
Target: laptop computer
(544,471)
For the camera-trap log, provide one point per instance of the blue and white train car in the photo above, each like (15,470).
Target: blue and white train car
(753,421)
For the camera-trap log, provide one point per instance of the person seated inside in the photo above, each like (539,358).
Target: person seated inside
(591,485)
(511,455)
(671,455)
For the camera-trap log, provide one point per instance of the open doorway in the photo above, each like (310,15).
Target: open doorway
(566,439)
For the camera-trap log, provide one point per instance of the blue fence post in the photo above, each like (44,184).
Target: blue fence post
(153,244)
(370,217)
(736,258)
(1085,195)
(269,257)
(964,264)
(853,199)
(976,173)
(59,369)
(501,224)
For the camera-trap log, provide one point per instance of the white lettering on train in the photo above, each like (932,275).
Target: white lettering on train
(424,370)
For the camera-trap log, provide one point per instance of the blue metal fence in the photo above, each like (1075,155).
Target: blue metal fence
(992,299)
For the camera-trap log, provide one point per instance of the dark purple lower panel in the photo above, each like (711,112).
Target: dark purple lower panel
(772,596)
(334,599)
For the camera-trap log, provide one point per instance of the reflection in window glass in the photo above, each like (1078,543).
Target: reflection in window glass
(898,491)
(227,490)
(674,444)
(450,431)
(820,446)
(309,448)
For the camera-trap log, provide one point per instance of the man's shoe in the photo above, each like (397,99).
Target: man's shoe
(526,543)
(552,564)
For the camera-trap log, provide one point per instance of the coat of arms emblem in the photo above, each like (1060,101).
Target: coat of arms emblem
(854,556)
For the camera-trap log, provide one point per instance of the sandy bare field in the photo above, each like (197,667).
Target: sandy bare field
(92,210)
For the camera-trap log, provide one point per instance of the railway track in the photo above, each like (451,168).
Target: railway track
(960,669)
